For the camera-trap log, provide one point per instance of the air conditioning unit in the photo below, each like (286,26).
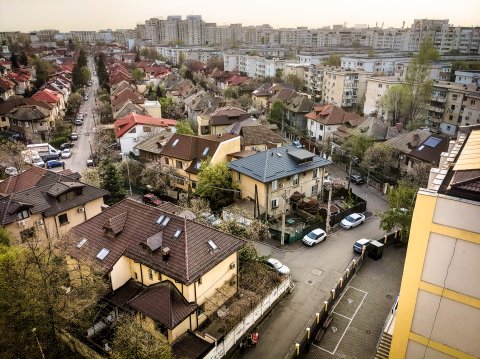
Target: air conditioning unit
(232,265)
(39,222)
(21,223)
(35,131)
(81,209)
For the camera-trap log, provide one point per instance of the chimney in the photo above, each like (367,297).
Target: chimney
(165,253)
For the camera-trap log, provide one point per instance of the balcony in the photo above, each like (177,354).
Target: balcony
(436,109)
(439,99)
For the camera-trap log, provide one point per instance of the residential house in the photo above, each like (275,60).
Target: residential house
(471,77)
(134,128)
(127,108)
(417,146)
(201,102)
(21,79)
(261,94)
(166,268)
(216,122)
(150,149)
(438,311)
(152,108)
(53,98)
(295,121)
(180,89)
(324,120)
(259,138)
(271,177)
(16,101)
(7,88)
(122,85)
(119,99)
(185,153)
(377,129)
(46,204)
(31,122)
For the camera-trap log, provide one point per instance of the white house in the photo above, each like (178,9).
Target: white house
(134,128)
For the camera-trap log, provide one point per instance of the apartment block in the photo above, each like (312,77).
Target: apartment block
(344,88)
(471,77)
(446,110)
(438,313)
(376,88)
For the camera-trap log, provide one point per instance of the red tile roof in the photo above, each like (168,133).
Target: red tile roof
(126,94)
(47,95)
(330,115)
(123,125)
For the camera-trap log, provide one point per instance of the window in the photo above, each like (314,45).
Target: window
(452,107)
(179,164)
(135,275)
(472,102)
(315,173)
(201,309)
(23,214)
(27,234)
(454,97)
(380,86)
(239,176)
(274,203)
(199,280)
(63,219)
(147,129)
(66,196)
(295,180)
(450,117)
(133,130)
(167,161)
(274,185)
(150,274)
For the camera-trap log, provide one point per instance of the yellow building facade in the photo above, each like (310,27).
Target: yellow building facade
(438,314)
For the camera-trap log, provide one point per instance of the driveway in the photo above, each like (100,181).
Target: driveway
(315,270)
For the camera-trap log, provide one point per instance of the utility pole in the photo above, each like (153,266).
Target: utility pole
(349,172)
(282,238)
(327,227)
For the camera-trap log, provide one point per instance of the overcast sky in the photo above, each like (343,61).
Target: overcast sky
(66,15)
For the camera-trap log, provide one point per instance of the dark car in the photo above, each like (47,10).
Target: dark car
(151,199)
(66,145)
(357,179)
(54,163)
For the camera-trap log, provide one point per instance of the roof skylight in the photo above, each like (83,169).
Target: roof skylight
(212,245)
(103,253)
(81,243)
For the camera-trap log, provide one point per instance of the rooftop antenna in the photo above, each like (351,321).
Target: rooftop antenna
(403,25)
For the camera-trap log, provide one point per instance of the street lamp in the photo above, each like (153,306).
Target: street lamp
(38,342)
(128,171)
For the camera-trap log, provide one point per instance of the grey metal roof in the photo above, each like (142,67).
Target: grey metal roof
(276,163)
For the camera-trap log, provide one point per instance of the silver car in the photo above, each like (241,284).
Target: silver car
(353,220)
(278,266)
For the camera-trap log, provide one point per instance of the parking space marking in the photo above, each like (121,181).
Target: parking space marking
(343,316)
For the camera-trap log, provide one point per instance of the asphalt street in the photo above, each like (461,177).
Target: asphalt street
(315,270)
(81,150)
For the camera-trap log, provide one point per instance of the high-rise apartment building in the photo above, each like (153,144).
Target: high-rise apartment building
(438,313)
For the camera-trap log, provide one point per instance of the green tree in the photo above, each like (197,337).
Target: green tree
(133,341)
(43,70)
(279,73)
(333,60)
(394,101)
(379,158)
(401,200)
(102,73)
(418,84)
(294,81)
(138,74)
(231,92)
(23,59)
(181,59)
(184,128)
(14,60)
(276,111)
(41,293)
(80,76)
(70,45)
(132,168)
(215,183)
(357,144)
(113,182)
(82,59)
(245,101)
(91,176)
(171,109)
(74,102)
(137,56)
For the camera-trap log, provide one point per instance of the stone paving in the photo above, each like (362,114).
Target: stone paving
(360,314)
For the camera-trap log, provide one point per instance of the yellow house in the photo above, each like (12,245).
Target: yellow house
(438,314)
(167,268)
(269,178)
(40,203)
(184,154)
(214,123)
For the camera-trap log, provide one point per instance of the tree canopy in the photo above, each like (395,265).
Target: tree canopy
(112,181)
(333,60)
(276,111)
(357,144)
(184,128)
(215,183)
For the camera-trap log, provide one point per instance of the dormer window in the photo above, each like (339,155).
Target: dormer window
(70,195)
(23,214)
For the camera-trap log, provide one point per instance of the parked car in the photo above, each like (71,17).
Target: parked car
(297,144)
(86,97)
(90,163)
(151,199)
(11,171)
(353,220)
(54,163)
(278,266)
(67,153)
(358,245)
(73,136)
(357,179)
(314,237)
(66,145)
(78,122)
